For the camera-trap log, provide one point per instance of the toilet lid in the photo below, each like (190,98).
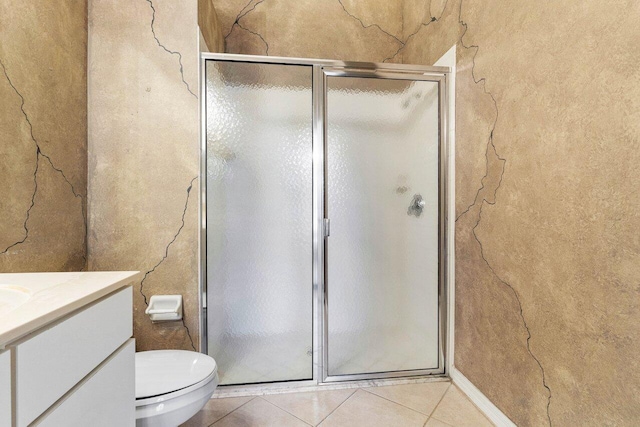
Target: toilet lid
(164,371)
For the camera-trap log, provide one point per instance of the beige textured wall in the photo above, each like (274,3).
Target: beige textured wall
(43,143)
(333,29)
(210,27)
(547,247)
(143,155)
(547,153)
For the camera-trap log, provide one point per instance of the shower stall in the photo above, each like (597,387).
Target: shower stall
(323,219)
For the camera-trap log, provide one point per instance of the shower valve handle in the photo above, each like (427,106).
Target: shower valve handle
(416,206)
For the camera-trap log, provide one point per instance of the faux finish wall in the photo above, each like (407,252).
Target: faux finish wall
(333,29)
(547,200)
(210,27)
(43,135)
(143,155)
(547,246)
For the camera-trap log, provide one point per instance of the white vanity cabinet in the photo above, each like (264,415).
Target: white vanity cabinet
(5,388)
(78,370)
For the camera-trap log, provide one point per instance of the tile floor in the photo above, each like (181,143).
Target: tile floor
(433,404)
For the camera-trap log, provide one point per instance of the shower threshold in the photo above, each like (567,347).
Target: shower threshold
(311,386)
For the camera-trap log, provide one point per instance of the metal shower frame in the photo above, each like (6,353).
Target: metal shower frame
(321,69)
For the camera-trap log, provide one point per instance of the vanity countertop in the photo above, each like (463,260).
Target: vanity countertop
(29,301)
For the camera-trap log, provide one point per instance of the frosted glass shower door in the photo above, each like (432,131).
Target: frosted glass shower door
(382,198)
(259,221)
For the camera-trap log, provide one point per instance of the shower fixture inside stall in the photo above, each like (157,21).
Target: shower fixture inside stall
(324,207)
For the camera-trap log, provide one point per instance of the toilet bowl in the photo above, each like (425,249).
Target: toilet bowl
(172,386)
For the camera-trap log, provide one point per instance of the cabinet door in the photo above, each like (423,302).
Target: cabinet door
(5,388)
(107,398)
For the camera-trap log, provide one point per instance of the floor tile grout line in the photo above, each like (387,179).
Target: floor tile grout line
(336,408)
(355,390)
(441,399)
(438,404)
(282,409)
(404,406)
(474,405)
(442,422)
(465,395)
(220,419)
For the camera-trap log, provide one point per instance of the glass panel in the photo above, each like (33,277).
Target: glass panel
(259,221)
(382,200)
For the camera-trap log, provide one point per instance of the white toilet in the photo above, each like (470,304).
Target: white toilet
(172,386)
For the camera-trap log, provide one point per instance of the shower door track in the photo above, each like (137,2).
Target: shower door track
(322,68)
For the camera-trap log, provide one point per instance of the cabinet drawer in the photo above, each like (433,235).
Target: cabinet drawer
(50,363)
(107,398)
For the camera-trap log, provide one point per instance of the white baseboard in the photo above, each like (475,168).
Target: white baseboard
(491,411)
